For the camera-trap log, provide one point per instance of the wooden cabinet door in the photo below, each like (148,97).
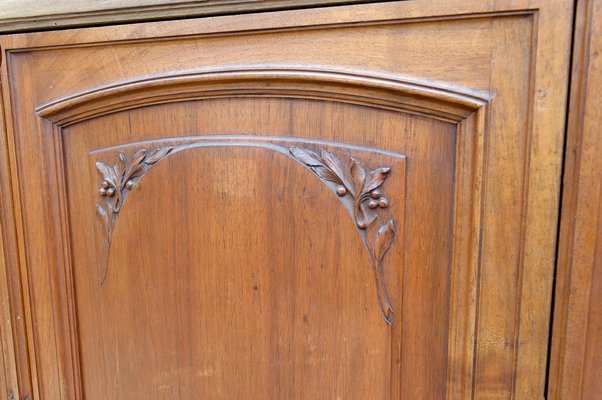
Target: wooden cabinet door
(348,203)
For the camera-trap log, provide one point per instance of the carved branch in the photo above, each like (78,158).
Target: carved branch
(363,191)
(357,190)
(117,182)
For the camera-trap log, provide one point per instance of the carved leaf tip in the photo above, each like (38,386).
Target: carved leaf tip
(358,174)
(107,173)
(376,178)
(306,156)
(103,275)
(334,165)
(383,239)
(325,173)
(387,315)
(120,166)
(157,154)
(135,166)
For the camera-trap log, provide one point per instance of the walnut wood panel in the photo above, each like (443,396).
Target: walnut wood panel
(252,294)
(272,115)
(17,370)
(576,358)
(471,94)
(25,15)
(358,189)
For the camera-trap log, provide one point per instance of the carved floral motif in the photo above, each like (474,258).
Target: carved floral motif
(353,183)
(117,182)
(357,189)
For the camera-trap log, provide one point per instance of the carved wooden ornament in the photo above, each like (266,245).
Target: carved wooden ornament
(117,182)
(357,189)
(362,190)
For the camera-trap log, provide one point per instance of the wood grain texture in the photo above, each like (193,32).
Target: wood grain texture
(447,104)
(230,114)
(29,15)
(576,358)
(256,305)
(13,336)
(472,93)
(357,189)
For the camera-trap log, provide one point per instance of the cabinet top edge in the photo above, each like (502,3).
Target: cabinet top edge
(294,19)
(20,16)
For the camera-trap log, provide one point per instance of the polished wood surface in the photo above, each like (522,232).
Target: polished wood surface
(368,212)
(576,354)
(29,15)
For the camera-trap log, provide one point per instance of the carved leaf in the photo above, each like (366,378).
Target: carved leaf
(122,177)
(157,154)
(119,169)
(327,166)
(358,174)
(306,156)
(333,163)
(327,174)
(383,239)
(107,173)
(376,178)
(135,166)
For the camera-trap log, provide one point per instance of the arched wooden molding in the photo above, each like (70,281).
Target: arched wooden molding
(422,98)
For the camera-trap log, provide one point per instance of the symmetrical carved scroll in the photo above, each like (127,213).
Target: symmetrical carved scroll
(359,189)
(117,182)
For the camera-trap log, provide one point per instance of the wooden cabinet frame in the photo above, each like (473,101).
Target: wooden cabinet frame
(477,333)
(576,348)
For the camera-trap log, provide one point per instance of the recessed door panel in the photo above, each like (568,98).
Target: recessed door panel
(283,255)
(232,258)
(343,203)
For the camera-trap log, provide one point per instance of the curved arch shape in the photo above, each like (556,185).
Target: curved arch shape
(357,189)
(368,90)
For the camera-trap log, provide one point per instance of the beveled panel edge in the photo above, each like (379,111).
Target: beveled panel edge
(16,339)
(466,257)
(410,96)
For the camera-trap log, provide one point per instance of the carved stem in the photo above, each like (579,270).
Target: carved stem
(381,292)
(361,217)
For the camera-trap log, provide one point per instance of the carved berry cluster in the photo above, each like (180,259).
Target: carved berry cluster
(361,187)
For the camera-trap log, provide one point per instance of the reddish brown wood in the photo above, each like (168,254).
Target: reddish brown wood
(238,268)
(576,354)
(29,15)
